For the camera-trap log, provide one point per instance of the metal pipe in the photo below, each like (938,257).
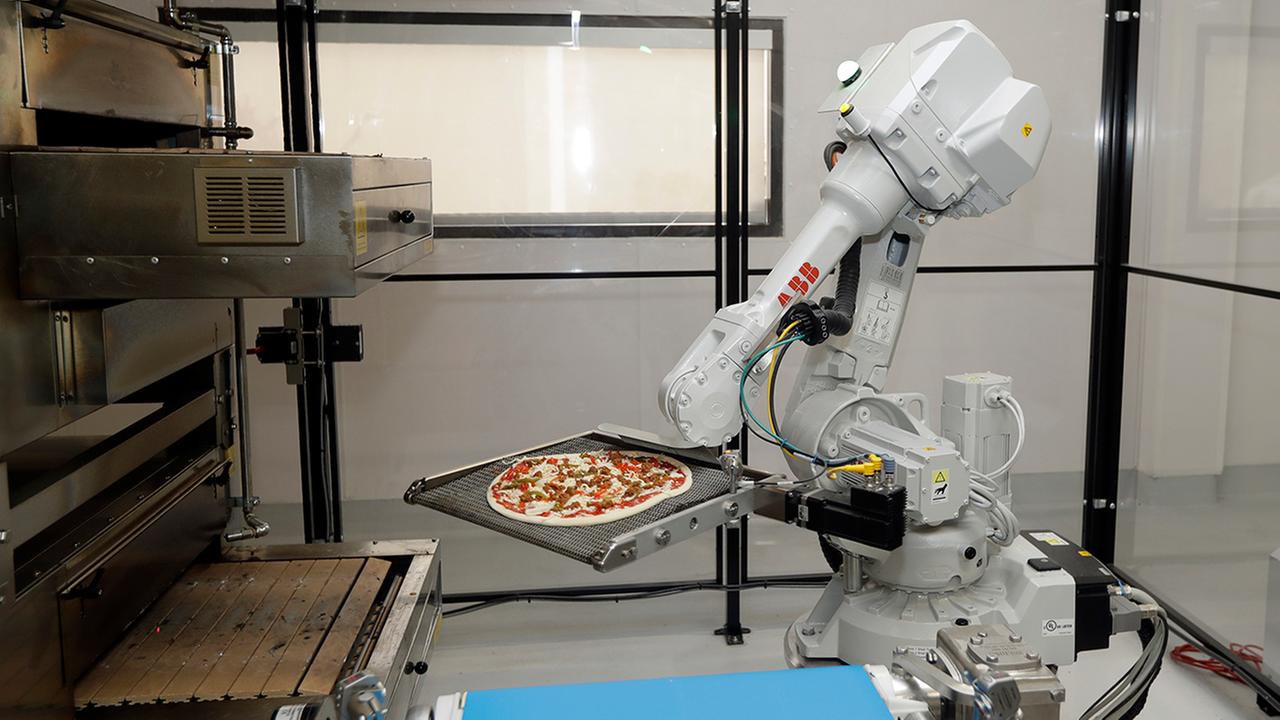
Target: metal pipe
(229,92)
(852,573)
(254,527)
(173,16)
(111,17)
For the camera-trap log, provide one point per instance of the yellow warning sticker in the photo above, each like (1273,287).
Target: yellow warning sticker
(1085,553)
(941,485)
(362,227)
(1026,130)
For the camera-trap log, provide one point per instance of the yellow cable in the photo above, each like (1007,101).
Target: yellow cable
(870,467)
(773,365)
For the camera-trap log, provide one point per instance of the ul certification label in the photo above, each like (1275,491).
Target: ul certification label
(939,487)
(882,312)
(1058,627)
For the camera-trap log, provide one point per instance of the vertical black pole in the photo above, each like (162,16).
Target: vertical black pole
(733,167)
(1111,281)
(744,113)
(329,408)
(313,75)
(282,48)
(317,418)
(731,545)
(744,261)
(717,25)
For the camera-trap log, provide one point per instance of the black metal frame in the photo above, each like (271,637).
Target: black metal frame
(732,134)
(317,395)
(1111,283)
(1104,432)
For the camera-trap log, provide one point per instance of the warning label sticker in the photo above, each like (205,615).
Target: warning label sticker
(940,485)
(1058,627)
(882,310)
(362,227)
(1049,538)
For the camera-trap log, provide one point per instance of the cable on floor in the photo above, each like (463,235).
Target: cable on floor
(1191,656)
(645,595)
(1262,690)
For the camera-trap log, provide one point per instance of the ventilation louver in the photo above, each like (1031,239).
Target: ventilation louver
(246,206)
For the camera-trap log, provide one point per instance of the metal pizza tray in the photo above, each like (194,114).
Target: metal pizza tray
(462,494)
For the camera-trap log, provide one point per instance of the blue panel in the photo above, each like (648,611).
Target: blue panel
(831,692)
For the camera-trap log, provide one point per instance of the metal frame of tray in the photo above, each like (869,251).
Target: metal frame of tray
(715,499)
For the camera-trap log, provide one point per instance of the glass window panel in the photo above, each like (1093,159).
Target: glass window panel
(558,125)
(1200,489)
(1206,187)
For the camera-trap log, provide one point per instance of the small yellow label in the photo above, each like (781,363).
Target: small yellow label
(1085,553)
(941,477)
(362,227)
(1026,130)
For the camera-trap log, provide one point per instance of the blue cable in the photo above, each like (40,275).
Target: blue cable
(782,442)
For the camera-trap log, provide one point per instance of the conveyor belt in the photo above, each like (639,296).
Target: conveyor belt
(464,497)
(241,630)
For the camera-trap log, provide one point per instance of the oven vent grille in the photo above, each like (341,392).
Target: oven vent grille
(247,206)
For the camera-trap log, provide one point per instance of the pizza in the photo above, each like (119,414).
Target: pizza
(587,488)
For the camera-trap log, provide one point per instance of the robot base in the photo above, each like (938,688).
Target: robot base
(865,627)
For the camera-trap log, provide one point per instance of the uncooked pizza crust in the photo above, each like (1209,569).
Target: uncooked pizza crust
(588,488)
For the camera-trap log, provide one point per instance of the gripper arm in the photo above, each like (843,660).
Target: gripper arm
(860,197)
(935,125)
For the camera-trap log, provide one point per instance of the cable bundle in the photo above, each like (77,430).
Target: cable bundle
(983,490)
(1125,699)
(770,432)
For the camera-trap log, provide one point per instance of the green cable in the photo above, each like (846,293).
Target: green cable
(742,393)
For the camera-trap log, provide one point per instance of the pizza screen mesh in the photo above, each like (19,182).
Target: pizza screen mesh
(465,498)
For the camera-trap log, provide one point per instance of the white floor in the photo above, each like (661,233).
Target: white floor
(540,643)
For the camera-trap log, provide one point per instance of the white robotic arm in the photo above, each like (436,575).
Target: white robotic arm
(935,125)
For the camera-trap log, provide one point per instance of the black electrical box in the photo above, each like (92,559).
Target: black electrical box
(1093,582)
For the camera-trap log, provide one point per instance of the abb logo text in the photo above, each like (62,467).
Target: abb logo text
(799,283)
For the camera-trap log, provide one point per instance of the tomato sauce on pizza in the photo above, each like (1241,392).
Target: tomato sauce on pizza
(587,488)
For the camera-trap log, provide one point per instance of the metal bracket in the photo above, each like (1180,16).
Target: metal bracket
(297,347)
(946,686)
(237,501)
(681,526)
(64,357)
(52,20)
